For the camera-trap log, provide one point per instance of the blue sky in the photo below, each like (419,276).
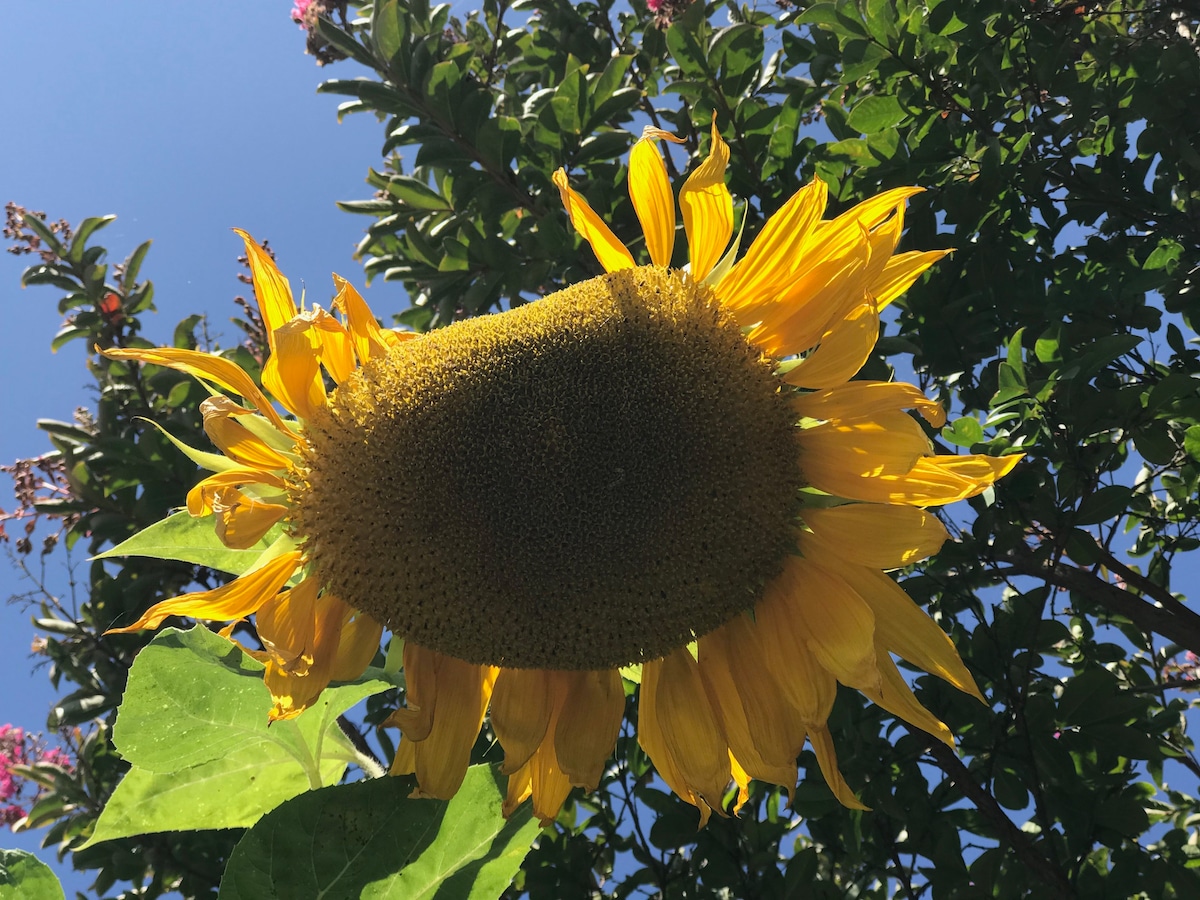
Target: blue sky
(184,120)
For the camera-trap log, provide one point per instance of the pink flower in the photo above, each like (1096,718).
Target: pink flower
(299,8)
(654,5)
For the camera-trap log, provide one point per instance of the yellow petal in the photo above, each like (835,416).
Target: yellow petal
(287,627)
(242,521)
(872,535)
(707,208)
(843,350)
(336,346)
(589,724)
(270,288)
(863,400)
(807,686)
(932,481)
(765,733)
(742,779)
(612,254)
(904,629)
(765,270)
(369,338)
(442,758)
(405,760)
(681,734)
(415,719)
(209,367)
(240,445)
(897,697)
(653,200)
(521,707)
(357,645)
(292,373)
(899,274)
(235,600)
(520,789)
(835,623)
(822,744)
(890,444)
(200,498)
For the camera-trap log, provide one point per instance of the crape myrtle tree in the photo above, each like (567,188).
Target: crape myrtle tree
(1056,145)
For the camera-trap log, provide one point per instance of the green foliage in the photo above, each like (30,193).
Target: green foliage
(194,727)
(1056,142)
(371,840)
(25,877)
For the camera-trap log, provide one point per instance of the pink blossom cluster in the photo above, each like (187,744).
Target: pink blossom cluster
(19,748)
(299,8)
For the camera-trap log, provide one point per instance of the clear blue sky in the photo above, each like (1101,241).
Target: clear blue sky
(185,120)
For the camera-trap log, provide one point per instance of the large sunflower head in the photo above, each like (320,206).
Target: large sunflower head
(658,466)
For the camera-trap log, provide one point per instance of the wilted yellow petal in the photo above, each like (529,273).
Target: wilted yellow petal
(239,444)
(357,644)
(442,758)
(242,521)
(235,600)
(336,347)
(369,338)
(522,704)
(200,498)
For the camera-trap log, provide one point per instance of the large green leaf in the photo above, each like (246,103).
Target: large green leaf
(182,537)
(371,840)
(194,726)
(25,877)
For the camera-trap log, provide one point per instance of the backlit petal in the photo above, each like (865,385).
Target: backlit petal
(292,373)
(822,743)
(897,697)
(521,707)
(612,254)
(241,520)
(270,288)
(442,758)
(650,191)
(707,208)
(864,400)
(843,350)
(357,644)
(200,498)
(369,338)
(899,274)
(236,442)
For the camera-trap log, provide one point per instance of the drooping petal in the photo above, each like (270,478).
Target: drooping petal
(286,626)
(681,734)
(776,254)
(272,290)
(200,498)
(522,704)
(589,724)
(240,445)
(765,733)
(222,372)
(805,683)
(612,254)
(357,645)
(836,625)
(336,347)
(843,350)
(442,758)
(864,400)
(904,629)
(235,600)
(242,521)
(292,373)
(415,718)
(874,535)
(650,191)
(822,743)
(897,697)
(707,208)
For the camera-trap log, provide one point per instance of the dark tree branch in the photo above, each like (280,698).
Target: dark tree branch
(1055,880)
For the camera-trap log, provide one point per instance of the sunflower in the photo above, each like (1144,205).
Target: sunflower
(659,468)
